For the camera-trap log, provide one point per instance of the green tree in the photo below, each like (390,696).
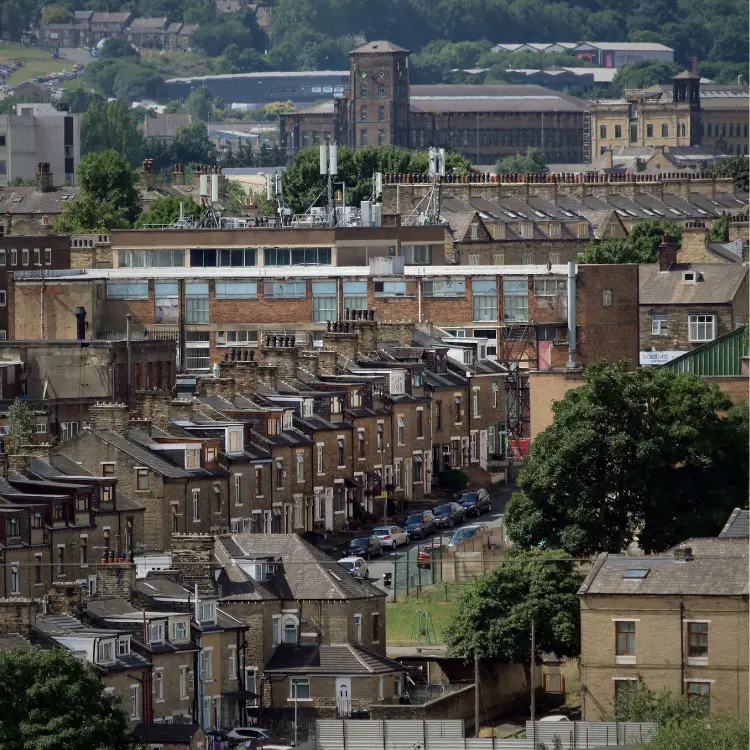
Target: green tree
(721,733)
(119,47)
(640,246)
(272,110)
(78,98)
(108,196)
(109,125)
(651,454)
(166,210)
(56,14)
(200,103)
(62,704)
(494,613)
(719,231)
(134,84)
(532,161)
(733,166)
(644,73)
(191,144)
(21,422)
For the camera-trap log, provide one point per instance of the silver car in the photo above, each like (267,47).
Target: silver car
(357,566)
(391,536)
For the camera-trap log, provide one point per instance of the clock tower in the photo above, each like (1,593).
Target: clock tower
(379,95)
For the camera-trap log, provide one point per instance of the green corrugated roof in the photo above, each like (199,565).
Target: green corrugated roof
(719,357)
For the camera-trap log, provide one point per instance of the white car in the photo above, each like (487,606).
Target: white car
(357,566)
(391,536)
(258,737)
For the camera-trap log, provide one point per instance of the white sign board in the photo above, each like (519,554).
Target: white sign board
(658,358)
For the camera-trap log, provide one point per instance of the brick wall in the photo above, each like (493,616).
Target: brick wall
(115,579)
(66,598)
(16,615)
(735,387)
(678,337)
(193,557)
(546,387)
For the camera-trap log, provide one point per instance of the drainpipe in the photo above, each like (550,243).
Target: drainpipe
(682,647)
(419,300)
(129,355)
(571,315)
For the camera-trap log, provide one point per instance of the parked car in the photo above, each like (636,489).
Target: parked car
(467,532)
(355,565)
(424,556)
(257,737)
(419,525)
(475,502)
(448,514)
(391,536)
(364,546)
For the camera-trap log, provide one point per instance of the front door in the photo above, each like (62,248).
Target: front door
(344,696)
(329,508)
(483,449)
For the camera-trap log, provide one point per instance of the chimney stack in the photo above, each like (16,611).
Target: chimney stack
(178,176)
(147,178)
(695,66)
(667,253)
(43,177)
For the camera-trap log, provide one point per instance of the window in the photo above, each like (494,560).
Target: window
(697,639)
(389,288)
(363,113)
(232,661)
(300,467)
(208,664)
(179,630)
(135,701)
(84,548)
(184,681)
(417,255)
(340,451)
(381,137)
(549,287)
(606,298)
(618,131)
(515,299)
(123,646)
(134,290)
(484,299)
(400,431)
(105,652)
(13,257)
(159,685)
(416,468)
(37,257)
(397,473)
(360,444)
(602,131)
(40,427)
(156,632)
(375,627)
(284,289)
(659,325)
(624,692)
(15,583)
(355,295)
(236,290)
(192,458)
(300,688)
(141,480)
(319,457)
(25,256)
(701,327)
(279,475)
(196,302)
(475,401)
(665,131)
(68,430)
(358,628)
(196,505)
(381,90)
(438,415)
(295,256)
(208,611)
(381,113)
(700,693)
(625,638)
(420,428)
(289,629)
(2,257)
(61,561)
(276,624)
(444,287)
(37,569)
(649,132)
(250,684)
(324,300)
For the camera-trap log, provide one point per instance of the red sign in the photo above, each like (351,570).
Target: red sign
(609,60)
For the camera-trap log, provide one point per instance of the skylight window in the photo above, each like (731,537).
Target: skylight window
(636,573)
(675,212)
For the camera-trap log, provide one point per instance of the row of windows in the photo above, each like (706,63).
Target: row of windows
(379,91)
(364,138)
(220,258)
(363,113)
(26,256)
(489,137)
(719,130)
(700,327)
(697,639)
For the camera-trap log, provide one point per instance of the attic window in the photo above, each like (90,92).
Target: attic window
(636,573)
(17,198)
(689,277)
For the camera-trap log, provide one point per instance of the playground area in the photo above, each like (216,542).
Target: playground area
(407,628)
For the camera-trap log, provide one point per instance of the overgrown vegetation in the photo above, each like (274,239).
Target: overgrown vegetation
(640,246)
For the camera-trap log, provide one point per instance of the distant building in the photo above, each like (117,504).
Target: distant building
(39,133)
(165,126)
(606,54)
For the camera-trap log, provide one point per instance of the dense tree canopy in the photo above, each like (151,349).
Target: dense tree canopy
(650,454)
(734,166)
(494,613)
(167,209)
(50,700)
(640,246)
(109,125)
(531,161)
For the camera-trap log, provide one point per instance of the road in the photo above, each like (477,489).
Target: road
(396,561)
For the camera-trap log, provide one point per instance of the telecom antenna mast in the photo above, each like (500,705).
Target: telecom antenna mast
(427,212)
(329,168)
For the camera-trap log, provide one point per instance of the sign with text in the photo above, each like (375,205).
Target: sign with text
(658,358)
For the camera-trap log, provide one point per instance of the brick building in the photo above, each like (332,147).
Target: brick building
(381,107)
(680,620)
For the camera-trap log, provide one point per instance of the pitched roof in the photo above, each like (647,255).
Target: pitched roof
(380,46)
(668,575)
(334,659)
(149,459)
(28,200)
(738,525)
(8,642)
(718,284)
(108,606)
(165,125)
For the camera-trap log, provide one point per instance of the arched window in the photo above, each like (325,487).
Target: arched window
(289,629)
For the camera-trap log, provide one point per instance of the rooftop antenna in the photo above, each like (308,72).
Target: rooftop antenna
(329,168)
(275,195)
(428,209)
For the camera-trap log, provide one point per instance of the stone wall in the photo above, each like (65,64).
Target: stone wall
(115,579)
(193,557)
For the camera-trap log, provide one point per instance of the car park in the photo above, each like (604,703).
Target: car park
(419,525)
(391,536)
(364,546)
(465,533)
(475,502)
(447,515)
(357,566)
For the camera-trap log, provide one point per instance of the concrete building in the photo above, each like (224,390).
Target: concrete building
(39,133)
(604,54)
(679,619)
(381,107)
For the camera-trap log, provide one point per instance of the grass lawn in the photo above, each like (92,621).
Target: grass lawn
(37,62)
(399,616)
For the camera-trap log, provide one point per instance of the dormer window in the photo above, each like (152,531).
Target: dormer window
(234,441)
(208,612)
(105,652)
(335,405)
(13,527)
(156,632)
(123,645)
(689,277)
(355,398)
(307,407)
(192,458)
(179,631)
(288,417)
(210,453)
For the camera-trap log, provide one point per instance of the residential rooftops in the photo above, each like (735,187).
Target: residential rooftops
(710,283)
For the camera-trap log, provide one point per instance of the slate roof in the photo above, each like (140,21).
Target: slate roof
(167,734)
(718,284)
(28,200)
(668,576)
(378,46)
(159,588)
(738,525)
(165,125)
(109,606)
(306,572)
(146,457)
(344,659)
(8,642)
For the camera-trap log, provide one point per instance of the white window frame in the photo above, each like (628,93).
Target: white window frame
(294,683)
(358,629)
(140,473)
(196,505)
(300,467)
(695,321)
(15,582)
(135,701)
(276,630)
(184,674)
(155,632)
(159,685)
(208,611)
(232,662)
(294,622)
(660,324)
(208,664)
(176,637)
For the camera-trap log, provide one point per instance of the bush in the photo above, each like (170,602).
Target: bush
(453,480)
